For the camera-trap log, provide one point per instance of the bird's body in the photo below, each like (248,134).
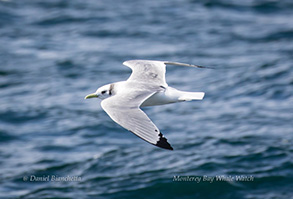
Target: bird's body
(145,87)
(171,95)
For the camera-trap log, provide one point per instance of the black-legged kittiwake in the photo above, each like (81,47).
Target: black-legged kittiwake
(146,86)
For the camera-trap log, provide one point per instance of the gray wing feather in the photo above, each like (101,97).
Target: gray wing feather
(150,71)
(124,110)
(147,71)
(183,64)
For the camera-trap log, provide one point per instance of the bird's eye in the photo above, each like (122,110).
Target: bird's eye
(103,92)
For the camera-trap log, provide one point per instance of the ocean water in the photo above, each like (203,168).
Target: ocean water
(236,143)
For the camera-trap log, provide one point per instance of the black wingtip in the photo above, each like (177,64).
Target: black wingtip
(163,143)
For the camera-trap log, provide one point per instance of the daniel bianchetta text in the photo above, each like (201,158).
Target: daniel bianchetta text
(51,178)
(211,179)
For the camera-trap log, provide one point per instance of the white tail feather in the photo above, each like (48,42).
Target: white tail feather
(188,96)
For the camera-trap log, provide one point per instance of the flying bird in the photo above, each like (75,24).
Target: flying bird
(146,86)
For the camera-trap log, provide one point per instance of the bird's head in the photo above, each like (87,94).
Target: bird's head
(102,92)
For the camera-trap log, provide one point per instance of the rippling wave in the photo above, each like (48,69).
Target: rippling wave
(55,52)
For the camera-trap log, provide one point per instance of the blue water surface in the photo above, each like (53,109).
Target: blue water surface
(54,52)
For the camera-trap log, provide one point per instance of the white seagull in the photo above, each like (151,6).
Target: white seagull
(146,86)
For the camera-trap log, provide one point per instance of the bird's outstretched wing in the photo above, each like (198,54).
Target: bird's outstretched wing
(147,71)
(124,109)
(150,71)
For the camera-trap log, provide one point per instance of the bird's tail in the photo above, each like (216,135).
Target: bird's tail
(188,96)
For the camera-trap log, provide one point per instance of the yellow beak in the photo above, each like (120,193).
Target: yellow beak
(91,96)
